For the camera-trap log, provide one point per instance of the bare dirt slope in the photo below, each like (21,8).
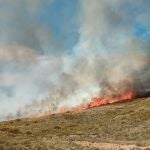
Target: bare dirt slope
(119,126)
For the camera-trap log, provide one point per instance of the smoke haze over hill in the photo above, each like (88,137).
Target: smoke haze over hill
(109,54)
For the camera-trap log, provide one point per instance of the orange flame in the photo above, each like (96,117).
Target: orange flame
(97,101)
(103,101)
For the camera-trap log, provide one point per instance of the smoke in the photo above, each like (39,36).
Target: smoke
(109,58)
(25,73)
(21,25)
(107,40)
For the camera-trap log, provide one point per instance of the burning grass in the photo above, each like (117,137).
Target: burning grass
(100,101)
(121,123)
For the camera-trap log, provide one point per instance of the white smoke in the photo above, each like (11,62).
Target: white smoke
(108,59)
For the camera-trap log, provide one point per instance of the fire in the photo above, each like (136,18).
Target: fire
(103,101)
(98,101)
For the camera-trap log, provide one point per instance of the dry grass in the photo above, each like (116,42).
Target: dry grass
(124,123)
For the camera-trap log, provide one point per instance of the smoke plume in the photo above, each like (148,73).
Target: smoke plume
(108,60)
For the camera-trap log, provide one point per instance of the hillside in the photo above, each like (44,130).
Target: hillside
(116,126)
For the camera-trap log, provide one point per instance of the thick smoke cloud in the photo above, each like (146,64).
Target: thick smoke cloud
(107,34)
(109,59)
(25,73)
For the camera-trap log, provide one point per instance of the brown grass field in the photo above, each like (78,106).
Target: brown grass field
(122,126)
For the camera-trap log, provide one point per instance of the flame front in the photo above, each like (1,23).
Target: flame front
(99,101)
(103,101)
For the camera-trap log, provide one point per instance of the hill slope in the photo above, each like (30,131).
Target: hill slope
(117,126)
